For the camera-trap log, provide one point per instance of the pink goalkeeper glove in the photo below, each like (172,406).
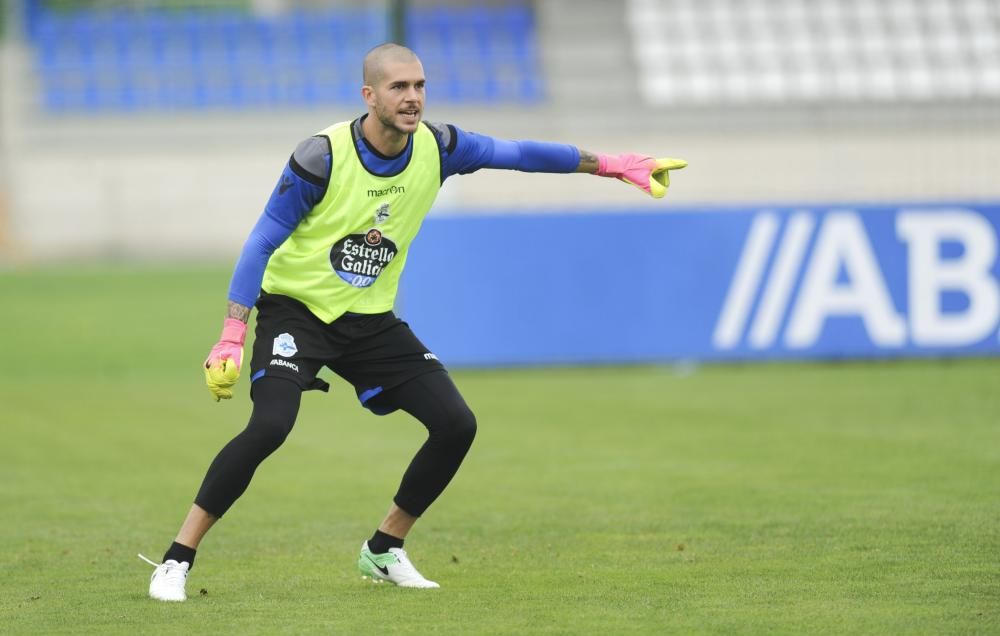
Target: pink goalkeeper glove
(650,175)
(222,368)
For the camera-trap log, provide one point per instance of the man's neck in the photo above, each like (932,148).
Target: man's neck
(385,140)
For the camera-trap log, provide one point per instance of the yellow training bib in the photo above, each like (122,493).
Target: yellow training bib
(347,254)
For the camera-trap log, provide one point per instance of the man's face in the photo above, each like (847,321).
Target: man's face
(397,99)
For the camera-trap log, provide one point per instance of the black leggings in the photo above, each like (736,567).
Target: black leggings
(431,398)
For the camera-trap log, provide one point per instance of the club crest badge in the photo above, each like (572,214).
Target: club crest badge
(284,346)
(382,214)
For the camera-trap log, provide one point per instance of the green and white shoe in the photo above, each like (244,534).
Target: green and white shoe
(393,566)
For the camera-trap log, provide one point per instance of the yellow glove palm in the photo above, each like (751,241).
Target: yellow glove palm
(221,377)
(659,178)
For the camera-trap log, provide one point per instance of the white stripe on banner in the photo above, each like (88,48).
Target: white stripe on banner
(781,280)
(746,281)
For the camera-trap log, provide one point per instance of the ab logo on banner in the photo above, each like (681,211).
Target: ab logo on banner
(788,303)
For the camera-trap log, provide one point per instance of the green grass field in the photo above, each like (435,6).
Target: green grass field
(781,498)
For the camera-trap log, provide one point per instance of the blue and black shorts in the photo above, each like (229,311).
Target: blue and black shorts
(374,352)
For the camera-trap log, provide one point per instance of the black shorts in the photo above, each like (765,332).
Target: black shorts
(374,352)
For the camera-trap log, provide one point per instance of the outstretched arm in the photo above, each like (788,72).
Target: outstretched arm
(649,174)
(465,152)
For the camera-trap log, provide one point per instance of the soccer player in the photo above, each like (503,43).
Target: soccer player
(322,266)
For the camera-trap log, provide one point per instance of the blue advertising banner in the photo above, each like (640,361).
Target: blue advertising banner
(707,284)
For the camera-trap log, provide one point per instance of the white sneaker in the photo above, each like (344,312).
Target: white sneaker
(167,582)
(393,566)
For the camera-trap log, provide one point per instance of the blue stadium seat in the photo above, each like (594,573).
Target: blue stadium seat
(128,60)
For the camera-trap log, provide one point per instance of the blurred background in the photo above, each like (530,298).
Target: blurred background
(840,200)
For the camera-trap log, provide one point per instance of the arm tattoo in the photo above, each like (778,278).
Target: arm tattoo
(588,162)
(238,311)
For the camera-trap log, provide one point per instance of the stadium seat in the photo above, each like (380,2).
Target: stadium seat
(772,51)
(131,60)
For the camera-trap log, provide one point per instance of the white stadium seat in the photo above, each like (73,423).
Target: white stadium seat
(856,51)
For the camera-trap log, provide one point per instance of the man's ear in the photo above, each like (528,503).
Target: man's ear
(368,94)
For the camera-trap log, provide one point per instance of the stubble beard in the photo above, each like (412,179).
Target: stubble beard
(387,119)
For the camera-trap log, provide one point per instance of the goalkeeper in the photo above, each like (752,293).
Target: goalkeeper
(322,266)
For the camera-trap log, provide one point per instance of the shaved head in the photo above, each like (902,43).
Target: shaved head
(382,55)
(394,94)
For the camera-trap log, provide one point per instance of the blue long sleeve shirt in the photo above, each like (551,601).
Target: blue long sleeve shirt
(303,184)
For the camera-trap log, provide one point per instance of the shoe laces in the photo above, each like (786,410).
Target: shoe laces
(148,560)
(170,572)
(404,566)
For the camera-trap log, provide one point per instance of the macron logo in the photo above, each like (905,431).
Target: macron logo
(381,192)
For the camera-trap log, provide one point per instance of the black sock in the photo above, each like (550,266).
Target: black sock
(179,553)
(381,542)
